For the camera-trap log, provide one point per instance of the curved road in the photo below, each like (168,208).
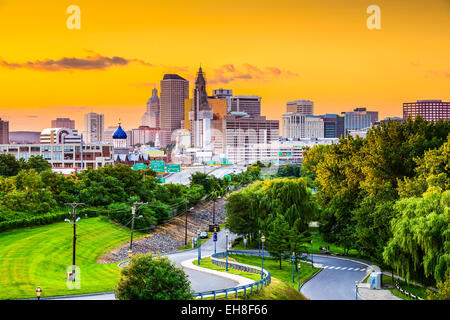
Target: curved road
(336,281)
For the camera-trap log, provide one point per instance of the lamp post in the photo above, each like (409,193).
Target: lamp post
(312,261)
(38,293)
(226,250)
(293,267)
(356,290)
(198,246)
(299,266)
(259,242)
(262,256)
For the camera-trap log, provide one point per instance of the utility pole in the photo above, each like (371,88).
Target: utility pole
(185,225)
(133,214)
(74,206)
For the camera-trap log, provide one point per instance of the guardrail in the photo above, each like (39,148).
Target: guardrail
(215,259)
(406,293)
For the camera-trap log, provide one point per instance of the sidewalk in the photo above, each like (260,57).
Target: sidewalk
(365,293)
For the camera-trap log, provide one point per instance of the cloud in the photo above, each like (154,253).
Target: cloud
(229,72)
(95,62)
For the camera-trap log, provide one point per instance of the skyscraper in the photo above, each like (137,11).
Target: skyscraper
(151,116)
(174,90)
(4,131)
(333,125)
(201,114)
(427,109)
(93,127)
(63,123)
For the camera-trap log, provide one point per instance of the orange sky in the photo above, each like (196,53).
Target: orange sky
(281,50)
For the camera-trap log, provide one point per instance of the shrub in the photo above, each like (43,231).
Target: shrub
(149,278)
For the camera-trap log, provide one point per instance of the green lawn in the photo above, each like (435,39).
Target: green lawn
(39,256)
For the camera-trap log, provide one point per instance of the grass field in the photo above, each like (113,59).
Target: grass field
(39,256)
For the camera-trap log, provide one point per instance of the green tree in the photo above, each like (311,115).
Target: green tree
(443,291)
(278,238)
(9,166)
(38,163)
(149,278)
(420,246)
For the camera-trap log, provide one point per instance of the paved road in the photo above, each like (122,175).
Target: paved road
(337,279)
(199,281)
(183,176)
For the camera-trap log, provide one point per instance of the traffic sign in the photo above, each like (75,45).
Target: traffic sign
(158,165)
(140,166)
(227,176)
(173,167)
(215,236)
(162,180)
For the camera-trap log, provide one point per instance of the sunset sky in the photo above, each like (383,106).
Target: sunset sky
(280,50)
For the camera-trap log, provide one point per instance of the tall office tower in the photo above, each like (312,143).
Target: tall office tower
(430,110)
(301,126)
(151,116)
(4,131)
(333,125)
(174,90)
(93,127)
(359,119)
(305,107)
(200,114)
(248,104)
(63,123)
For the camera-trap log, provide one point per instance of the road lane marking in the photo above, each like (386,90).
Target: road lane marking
(350,269)
(337,268)
(344,268)
(331,268)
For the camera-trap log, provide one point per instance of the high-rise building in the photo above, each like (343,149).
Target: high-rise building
(4,131)
(359,119)
(174,90)
(430,110)
(151,116)
(200,114)
(305,107)
(246,103)
(300,126)
(93,127)
(333,125)
(63,123)
(241,132)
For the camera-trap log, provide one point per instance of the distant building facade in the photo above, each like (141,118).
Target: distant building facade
(59,136)
(359,119)
(174,91)
(152,114)
(63,123)
(4,131)
(430,110)
(94,155)
(333,125)
(93,127)
(301,126)
(305,107)
(24,137)
(246,103)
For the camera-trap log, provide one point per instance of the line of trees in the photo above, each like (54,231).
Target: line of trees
(387,196)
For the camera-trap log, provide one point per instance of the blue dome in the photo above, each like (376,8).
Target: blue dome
(119,133)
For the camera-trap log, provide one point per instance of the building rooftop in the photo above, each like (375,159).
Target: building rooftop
(171,76)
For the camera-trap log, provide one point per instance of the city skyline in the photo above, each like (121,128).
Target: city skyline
(329,56)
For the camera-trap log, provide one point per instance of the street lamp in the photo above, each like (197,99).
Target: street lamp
(263,239)
(312,260)
(293,267)
(356,290)
(299,266)
(198,247)
(226,250)
(259,242)
(38,293)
